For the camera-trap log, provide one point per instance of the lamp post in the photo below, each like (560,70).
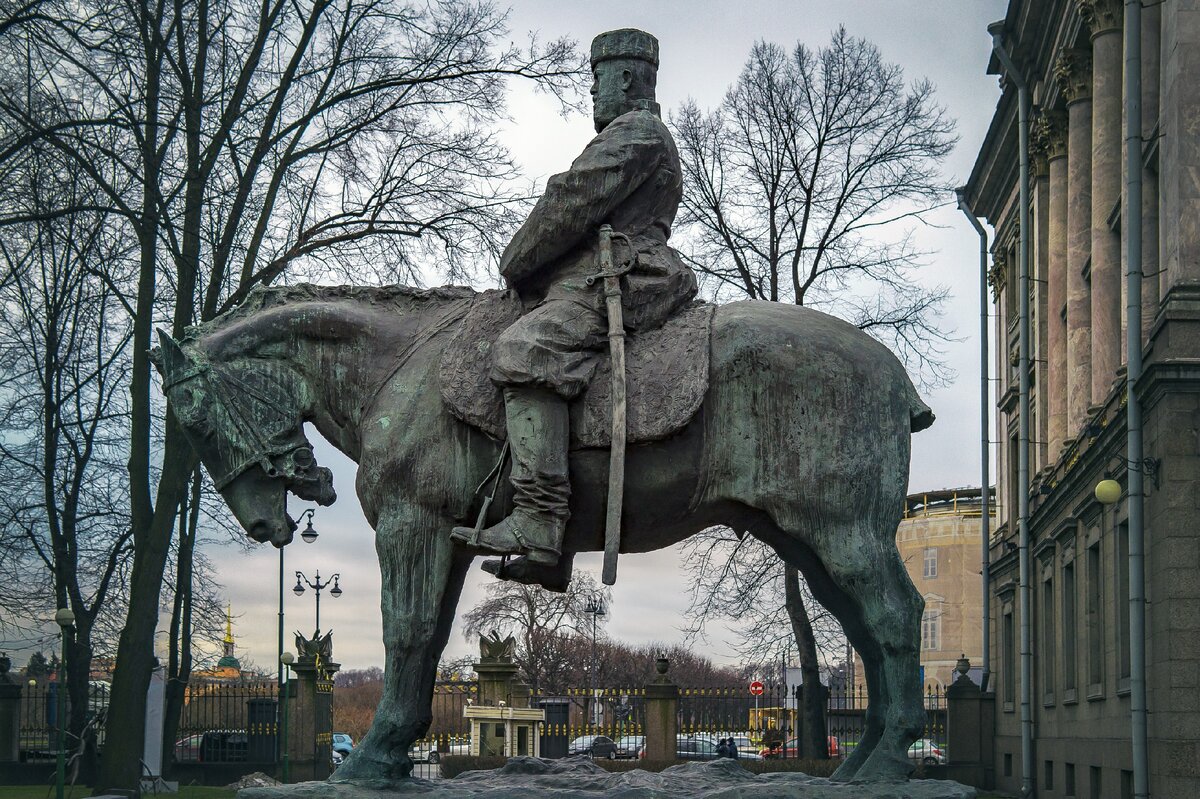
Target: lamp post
(65,620)
(309,535)
(285,660)
(594,608)
(318,586)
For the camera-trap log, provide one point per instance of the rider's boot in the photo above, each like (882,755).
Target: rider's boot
(538,426)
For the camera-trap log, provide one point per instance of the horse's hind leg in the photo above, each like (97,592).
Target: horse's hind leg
(881,613)
(422,580)
(864,563)
(848,613)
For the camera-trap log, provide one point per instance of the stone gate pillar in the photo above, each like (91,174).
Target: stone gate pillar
(10,713)
(310,715)
(970,718)
(662,714)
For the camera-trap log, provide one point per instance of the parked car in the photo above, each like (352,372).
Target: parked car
(424,752)
(343,744)
(792,749)
(695,748)
(595,745)
(187,750)
(630,747)
(928,752)
(224,746)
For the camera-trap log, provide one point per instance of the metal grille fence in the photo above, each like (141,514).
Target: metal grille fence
(769,721)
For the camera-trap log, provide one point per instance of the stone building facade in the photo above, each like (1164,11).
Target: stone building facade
(1071,53)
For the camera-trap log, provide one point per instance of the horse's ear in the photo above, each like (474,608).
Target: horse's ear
(168,356)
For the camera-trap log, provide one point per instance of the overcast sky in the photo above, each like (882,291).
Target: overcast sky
(703,45)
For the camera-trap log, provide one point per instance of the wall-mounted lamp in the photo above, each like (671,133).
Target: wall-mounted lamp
(1108,491)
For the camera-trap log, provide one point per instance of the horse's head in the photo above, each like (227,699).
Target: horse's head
(245,421)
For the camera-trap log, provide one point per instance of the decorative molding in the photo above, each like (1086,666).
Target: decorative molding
(1101,16)
(1073,73)
(1049,132)
(998,274)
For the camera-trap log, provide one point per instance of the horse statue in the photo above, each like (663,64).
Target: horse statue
(801,439)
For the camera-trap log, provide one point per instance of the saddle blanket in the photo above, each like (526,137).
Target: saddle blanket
(666,375)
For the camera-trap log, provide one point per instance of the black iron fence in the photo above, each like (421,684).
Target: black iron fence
(766,723)
(220,722)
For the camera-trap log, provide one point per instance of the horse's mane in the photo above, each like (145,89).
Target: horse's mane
(403,299)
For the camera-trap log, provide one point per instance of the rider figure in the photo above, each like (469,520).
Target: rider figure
(629,177)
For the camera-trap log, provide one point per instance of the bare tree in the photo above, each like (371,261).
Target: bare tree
(801,185)
(232,142)
(63,414)
(545,624)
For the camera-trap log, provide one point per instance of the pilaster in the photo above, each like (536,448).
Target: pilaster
(1051,132)
(1104,20)
(1072,72)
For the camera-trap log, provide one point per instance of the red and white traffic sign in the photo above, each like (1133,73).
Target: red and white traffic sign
(756,688)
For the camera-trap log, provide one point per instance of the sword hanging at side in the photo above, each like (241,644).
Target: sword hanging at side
(616,346)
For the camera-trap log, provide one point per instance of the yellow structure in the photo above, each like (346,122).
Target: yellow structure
(938,540)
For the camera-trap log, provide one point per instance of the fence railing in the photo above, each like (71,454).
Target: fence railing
(219,722)
(769,721)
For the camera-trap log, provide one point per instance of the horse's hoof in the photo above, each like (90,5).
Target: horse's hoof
(361,767)
(884,766)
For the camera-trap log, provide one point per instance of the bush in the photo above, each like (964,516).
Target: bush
(453,765)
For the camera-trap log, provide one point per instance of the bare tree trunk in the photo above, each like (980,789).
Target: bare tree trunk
(179,665)
(813,696)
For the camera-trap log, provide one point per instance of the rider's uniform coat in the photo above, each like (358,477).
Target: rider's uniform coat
(628,176)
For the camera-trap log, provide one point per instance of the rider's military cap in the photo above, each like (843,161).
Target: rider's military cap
(625,43)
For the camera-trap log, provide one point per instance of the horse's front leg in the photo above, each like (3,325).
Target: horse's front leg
(422,579)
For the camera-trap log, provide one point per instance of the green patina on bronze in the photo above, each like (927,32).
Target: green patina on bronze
(802,440)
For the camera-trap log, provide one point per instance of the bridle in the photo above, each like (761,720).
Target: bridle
(255,448)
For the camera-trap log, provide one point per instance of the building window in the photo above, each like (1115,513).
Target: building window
(931,630)
(1068,779)
(1010,661)
(1048,638)
(1095,621)
(1123,604)
(930,562)
(1094,789)
(1069,626)
(1048,782)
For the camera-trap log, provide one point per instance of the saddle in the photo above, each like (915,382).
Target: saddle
(666,375)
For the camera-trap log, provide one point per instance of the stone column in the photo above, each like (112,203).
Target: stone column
(1052,132)
(10,714)
(1072,71)
(1039,451)
(1104,19)
(310,718)
(662,715)
(1151,73)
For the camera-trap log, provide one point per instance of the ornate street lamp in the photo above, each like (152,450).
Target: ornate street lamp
(309,535)
(596,609)
(317,586)
(286,660)
(65,619)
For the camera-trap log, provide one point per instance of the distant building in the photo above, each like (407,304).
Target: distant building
(228,667)
(939,542)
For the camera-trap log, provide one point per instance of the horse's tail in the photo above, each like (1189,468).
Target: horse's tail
(920,415)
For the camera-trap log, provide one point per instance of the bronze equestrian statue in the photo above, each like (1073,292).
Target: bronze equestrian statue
(800,436)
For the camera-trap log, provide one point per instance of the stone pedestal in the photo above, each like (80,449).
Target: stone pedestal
(502,723)
(662,715)
(971,724)
(310,712)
